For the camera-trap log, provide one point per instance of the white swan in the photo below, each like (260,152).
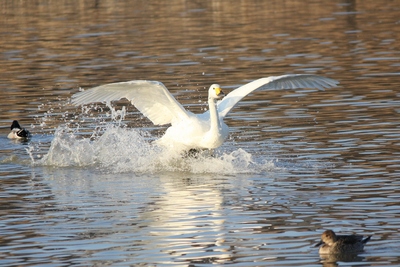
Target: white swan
(192,131)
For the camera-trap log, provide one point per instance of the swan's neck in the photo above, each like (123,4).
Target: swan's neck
(214,118)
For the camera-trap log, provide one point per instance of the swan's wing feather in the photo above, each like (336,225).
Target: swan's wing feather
(151,98)
(290,81)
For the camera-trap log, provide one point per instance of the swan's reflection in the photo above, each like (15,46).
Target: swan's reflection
(173,217)
(187,220)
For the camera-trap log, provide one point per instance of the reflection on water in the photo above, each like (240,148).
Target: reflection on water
(297,162)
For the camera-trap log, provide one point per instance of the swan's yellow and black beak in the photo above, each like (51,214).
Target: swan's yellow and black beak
(219,92)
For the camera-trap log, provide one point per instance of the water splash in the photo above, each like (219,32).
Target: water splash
(119,149)
(97,138)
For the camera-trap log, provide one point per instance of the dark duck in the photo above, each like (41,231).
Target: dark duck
(17,132)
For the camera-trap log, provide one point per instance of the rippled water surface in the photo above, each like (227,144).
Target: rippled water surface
(89,189)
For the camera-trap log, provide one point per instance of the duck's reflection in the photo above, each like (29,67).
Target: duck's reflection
(331,260)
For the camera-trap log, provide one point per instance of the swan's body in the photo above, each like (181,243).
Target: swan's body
(188,130)
(17,132)
(341,244)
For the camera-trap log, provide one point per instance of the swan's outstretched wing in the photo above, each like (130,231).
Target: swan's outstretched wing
(290,81)
(150,97)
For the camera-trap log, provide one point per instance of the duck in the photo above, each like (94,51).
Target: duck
(341,244)
(17,132)
(189,131)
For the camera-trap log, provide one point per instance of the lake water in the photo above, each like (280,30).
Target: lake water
(90,190)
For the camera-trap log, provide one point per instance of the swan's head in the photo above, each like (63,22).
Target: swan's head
(215,92)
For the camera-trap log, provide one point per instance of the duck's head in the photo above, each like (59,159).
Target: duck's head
(15,125)
(215,92)
(328,237)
